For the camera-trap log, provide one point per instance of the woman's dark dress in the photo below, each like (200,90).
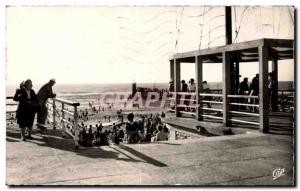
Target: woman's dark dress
(27,108)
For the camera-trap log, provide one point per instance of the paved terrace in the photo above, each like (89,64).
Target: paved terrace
(243,159)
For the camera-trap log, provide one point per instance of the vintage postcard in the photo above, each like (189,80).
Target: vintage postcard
(194,95)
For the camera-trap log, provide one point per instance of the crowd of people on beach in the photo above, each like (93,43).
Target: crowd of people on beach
(85,115)
(146,129)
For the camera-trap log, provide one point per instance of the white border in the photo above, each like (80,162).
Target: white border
(4,3)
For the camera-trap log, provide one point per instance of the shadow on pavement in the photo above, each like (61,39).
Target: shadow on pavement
(142,156)
(53,140)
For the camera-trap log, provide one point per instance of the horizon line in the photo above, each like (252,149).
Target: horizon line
(95,83)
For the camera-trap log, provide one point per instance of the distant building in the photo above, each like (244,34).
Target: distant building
(133,89)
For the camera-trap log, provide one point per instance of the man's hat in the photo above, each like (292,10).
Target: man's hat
(191,80)
(52,80)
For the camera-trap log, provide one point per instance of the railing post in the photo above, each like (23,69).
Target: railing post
(63,119)
(53,113)
(76,130)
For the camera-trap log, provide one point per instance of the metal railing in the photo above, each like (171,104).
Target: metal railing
(244,105)
(286,100)
(240,105)
(188,102)
(67,113)
(11,113)
(214,105)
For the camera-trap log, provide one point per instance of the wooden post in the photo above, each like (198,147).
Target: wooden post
(275,84)
(199,86)
(76,129)
(176,84)
(226,69)
(63,120)
(263,89)
(172,70)
(228,23)
(53,114)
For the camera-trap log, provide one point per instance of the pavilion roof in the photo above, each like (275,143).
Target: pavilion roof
(281,49)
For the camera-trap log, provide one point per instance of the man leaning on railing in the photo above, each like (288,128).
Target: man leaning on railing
(43,94)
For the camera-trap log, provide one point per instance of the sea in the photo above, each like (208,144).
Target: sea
(85,93)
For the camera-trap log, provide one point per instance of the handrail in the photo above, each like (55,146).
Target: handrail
(244,104)
(211,109)
(242,96)
(71,103)
(55,113)
(188,100)
(244,113)
(242,121)
(68,112)
(216,102)
(185,93)
(211,116)
(210,95)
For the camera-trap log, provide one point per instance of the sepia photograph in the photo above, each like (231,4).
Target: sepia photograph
(150,95)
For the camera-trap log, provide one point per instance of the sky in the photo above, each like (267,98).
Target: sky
(94,44)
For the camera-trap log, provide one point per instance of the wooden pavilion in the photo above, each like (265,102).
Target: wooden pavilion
(230,55)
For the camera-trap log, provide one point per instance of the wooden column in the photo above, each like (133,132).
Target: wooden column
(263,89)
(235,72)
(199,86)
(176,84)
(226,70)
(275,84)
(172,70)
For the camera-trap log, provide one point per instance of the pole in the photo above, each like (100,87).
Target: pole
(228,25)
(76,129)
(54,114)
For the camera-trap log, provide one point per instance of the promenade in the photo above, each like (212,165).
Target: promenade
(243,159)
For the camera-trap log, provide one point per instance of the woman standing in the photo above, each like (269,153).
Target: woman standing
(27,108)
